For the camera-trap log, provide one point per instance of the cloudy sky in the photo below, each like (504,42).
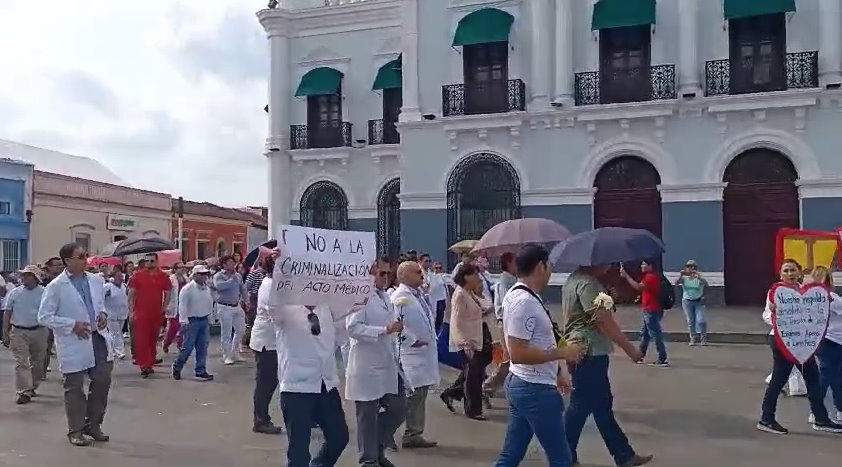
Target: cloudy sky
(166,93)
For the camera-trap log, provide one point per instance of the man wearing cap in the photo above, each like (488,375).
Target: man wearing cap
(195,304)
(24,335)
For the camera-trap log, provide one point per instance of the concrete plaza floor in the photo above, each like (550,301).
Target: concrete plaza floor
(700,412)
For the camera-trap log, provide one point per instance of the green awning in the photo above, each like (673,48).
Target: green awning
(389,76)
(735,9)
(483,26)
(609,14)
(319,81)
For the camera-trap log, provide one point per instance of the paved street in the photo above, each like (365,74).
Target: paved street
(700,412)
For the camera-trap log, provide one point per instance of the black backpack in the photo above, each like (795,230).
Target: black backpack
(667,294)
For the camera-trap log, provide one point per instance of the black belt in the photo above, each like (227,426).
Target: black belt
(226,304)
(196,317)
(27,328)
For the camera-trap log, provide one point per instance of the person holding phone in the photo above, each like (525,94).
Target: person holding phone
(653,312)
(693,286)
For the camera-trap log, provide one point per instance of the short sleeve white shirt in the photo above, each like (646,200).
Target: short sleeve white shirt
(525,318)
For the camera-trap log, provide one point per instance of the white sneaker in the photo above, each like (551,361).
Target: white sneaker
(811,419)
(228,361)
(838,419)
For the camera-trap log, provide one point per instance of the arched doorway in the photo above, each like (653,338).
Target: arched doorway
(759,199)
(324,206)
(482,191)
(627,196)
(389,219)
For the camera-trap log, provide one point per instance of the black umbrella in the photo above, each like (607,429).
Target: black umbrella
(252,256)
(607,245)
(140,245)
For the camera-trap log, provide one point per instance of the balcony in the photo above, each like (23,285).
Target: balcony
(485,98)
(380,133)
(322,136)
(631,85)
(801,70)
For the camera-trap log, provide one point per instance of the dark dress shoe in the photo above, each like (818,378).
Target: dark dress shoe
(448,402)
(23,399)
(419,443)
(383,462)
(268,429)
(638,460)
(77,439)
(159,361)
(96,433)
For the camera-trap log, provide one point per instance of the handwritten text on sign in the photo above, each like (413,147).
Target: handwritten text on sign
(801,320)
(324,267)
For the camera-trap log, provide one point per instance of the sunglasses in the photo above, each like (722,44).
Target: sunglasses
(315,325)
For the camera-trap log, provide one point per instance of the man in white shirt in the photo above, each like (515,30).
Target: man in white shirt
(195,304)
(373,379)
(24,335)
(537,378)
(436,289)
(306,344)
(117,307)
(263,342)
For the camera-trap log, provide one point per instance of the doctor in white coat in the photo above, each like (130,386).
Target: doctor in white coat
(417,350)
(72,307)
(372,377)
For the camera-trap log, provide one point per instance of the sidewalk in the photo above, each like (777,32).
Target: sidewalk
(726,325)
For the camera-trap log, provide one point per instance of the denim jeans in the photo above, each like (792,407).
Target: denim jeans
(534,409)
(696,322)
(303,411)
(196,338)
(651,329)
(830,371)
(781,369)
(592,396)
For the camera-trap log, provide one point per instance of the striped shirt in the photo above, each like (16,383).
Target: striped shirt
(253,281)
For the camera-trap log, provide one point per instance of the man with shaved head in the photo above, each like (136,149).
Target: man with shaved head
(417,349)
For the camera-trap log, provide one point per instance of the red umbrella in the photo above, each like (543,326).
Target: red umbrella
(509,236)
(97,260)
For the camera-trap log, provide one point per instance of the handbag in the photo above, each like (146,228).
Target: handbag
(556,332)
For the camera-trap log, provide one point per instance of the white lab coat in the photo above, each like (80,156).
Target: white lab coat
(420,364)
(61,307)
(172,306)
(372,370)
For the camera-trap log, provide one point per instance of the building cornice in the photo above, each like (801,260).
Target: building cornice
(101,207)
(820,188)
(557,196)
(691,192)
(358,16)
(321,156)
(423,201)
(469,5)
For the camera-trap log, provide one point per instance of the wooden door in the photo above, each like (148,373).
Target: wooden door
(486,72)
(624,55)
(757,53)
(760,199)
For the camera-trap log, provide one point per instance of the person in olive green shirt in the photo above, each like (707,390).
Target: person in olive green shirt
(597,329)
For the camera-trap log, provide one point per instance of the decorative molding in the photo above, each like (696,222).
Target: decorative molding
(557,196)
(524,182)
(627,111)
(799,123)
(788,144)
(643,148)
(820,187)
(762,101)
(375,194)
(323,176)
(357,16)
(469,5)
(276,22)
(362,213)
(419,201)
(478,122)
(390,48)
(692,192)
(378,152)
(324,56)
(321,156)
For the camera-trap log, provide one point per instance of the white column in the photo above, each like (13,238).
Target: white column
(830,44)
(409,43)
(688,66)
(277,144)
(539,82)
(563,53)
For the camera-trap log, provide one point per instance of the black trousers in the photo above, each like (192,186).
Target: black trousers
(468,385)
(781,369)
(265,383)
(303,411)
(441,305)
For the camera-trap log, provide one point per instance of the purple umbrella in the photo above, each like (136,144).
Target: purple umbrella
(509,236)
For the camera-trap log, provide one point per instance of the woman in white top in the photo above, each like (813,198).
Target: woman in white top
(262,342)
(830,351)
(117,306)
(782,367)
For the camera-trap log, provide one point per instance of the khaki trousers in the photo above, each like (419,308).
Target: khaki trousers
(28,347)
(88,410)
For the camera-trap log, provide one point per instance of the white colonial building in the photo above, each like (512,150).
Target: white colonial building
(712,123)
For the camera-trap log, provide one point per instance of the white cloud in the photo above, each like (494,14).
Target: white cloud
(166,93)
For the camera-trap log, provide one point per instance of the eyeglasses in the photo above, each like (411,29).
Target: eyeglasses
(383,274)
(315,325)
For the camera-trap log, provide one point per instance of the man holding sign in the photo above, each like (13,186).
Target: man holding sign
(319,277)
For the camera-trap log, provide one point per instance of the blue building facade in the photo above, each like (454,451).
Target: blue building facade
(16,189)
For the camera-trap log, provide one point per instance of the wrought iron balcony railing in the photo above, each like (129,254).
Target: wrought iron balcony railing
(491,97)
(321,136)
(380,132)
(801,70)
(630,85)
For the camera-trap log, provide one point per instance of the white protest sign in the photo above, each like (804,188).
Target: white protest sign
(800,320)
(324,267)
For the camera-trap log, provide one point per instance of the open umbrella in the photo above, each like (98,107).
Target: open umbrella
(464,246)
(139,245)
(509,236)
(250,259)
(607,245)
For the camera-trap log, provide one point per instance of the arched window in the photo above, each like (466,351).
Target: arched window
(325,206)
(482,191)
(389,219)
